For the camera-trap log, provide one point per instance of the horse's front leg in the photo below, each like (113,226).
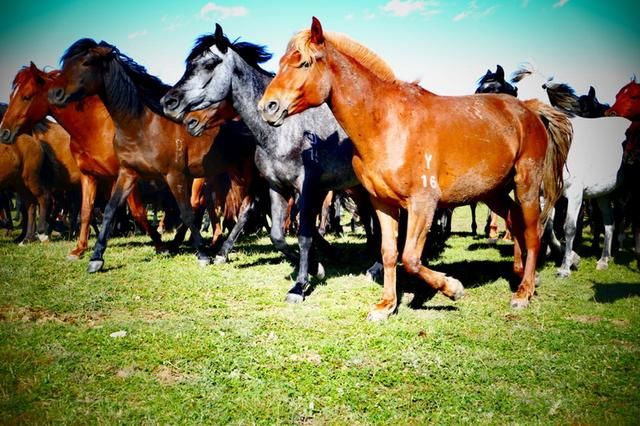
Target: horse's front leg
(571,258)
(89,187)
(123,186)
(279,214)
(388,219)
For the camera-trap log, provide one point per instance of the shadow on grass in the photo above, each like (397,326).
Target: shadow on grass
(609,293)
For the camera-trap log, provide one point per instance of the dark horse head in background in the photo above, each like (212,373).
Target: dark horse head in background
(494,82)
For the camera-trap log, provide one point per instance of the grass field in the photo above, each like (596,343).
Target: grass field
(161,340)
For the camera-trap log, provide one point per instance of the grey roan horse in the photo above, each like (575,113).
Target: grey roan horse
(305,157)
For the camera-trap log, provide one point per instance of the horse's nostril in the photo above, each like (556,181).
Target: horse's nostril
(5,135)
(170,103)
(272,107)
(192,123)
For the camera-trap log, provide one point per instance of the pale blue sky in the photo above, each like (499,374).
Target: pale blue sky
(447,45)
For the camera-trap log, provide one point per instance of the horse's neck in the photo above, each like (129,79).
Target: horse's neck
(354,90)
(83,120)
(248,87)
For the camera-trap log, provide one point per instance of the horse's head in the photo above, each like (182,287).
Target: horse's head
(590,107)
(28,103)
(82,73)
(207,78)
(197,122)
(302,81)
(627,102)
(494,82)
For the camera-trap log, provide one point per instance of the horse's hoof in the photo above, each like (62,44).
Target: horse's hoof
(73,257)
(294,298)
(519,303)
(320,274)
(374,273)
(220,260)
(602,265)
(491,240)
(455,289)
(163,251)
(43,238)
(563,273)
(575,261)
(377,315)
(95,266)
(204,261)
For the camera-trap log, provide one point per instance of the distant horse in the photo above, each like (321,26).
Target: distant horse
(148,144)
(627,105)
(305,158)
(411,151)
(91,130)
(34,166)
(493,82)
(593,163)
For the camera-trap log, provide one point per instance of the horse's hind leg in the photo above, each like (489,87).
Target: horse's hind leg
(180,187)
(474,224)
(604,204)
(246,210)
(139,214)
(123,186)
(574,202)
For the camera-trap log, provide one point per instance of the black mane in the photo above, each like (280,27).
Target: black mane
(253,54)
(3,109)
(127,82)
(563,96)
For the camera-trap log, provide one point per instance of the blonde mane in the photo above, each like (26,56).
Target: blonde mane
(302,43)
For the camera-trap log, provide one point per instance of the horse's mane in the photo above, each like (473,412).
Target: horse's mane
(563,96)
(253,54)
(3,109)
(127,82)
(302,43)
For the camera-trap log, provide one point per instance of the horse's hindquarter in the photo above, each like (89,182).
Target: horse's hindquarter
(595,155)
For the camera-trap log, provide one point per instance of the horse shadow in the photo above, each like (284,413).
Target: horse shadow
(609,293)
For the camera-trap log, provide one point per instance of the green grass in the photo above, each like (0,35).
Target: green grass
(219,345)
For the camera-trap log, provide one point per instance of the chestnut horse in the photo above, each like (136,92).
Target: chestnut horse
(148,144)
(412,150)
(92,131)
(34,166)
(627,105)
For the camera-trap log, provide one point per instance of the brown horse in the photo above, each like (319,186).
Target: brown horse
(34,166)
(148,144)
(417,150)
(627,105)
(92,131)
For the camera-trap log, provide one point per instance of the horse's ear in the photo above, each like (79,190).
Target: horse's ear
(37,73)
(592,92)
(220,39)
(500,72)
(317,37)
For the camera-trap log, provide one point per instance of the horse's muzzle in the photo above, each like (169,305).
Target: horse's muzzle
(7,136)
(272,113)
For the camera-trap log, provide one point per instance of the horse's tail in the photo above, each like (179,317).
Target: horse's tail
(560,132)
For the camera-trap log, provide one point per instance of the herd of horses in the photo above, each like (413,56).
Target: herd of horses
(230,135)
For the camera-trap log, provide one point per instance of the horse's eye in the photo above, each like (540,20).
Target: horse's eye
(27,98)
(304,64)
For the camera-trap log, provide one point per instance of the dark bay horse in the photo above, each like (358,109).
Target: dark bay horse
(34,166)
(91,130)
(627,105)
(304,159)
(149,145)
(412,150)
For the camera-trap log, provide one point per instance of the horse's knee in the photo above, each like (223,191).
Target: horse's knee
(389,256)
(278,241)
(411,263)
